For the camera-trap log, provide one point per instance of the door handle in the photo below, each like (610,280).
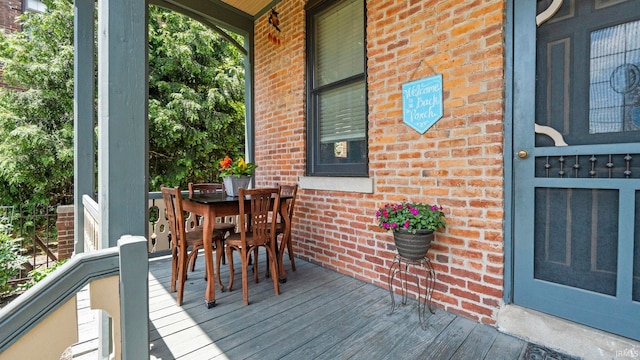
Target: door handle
(523,154)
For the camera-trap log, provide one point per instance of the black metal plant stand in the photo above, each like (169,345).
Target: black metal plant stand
(402,266)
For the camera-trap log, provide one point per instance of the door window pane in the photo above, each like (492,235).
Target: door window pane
(614,93)
(576,238)
(588,72)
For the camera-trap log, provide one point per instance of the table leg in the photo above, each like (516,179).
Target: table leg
(210,294)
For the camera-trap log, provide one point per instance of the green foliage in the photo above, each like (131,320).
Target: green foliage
(196,104)
(6,219)
(11,260)
(196,100)
(36,114)
(36,275)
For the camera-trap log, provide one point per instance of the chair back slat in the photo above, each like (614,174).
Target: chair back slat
(205,188)
(289,190)
(173,205)
(264,204)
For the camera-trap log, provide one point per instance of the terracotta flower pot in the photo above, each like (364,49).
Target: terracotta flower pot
(412,246)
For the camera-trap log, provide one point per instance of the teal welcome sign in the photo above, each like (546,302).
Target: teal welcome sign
(422,103)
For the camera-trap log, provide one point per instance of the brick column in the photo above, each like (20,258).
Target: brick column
(65,231)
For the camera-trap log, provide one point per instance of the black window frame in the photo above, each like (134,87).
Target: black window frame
(314,168)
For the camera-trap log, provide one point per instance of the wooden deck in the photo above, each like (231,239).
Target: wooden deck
(320,314)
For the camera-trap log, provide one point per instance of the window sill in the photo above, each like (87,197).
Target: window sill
(346,184)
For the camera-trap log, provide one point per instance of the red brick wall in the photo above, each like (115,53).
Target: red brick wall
(64,224)
(9,10)
(458,163)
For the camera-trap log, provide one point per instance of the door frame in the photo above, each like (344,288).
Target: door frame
(508,154)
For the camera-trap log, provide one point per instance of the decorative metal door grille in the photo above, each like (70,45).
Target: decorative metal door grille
(601,166)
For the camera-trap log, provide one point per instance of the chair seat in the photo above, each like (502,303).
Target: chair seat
(235,240)
(220,228)
(194,237)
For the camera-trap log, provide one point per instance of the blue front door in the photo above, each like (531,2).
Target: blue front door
(576,161)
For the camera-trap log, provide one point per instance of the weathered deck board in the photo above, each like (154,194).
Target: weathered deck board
(319,314)
(505,347)
(319,338)
(477,344)
(448,341)
(232,329)
(246,344)
(405,347)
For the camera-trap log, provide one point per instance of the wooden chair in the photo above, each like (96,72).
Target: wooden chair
(181,240)
(264,204)
(223,228)
(291,190)
(281,229)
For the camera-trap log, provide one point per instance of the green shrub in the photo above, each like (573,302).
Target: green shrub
(36,275)
(11,260)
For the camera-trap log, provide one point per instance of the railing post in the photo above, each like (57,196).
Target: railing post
(134,299)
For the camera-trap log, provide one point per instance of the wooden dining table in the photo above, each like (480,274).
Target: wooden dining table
(213,205)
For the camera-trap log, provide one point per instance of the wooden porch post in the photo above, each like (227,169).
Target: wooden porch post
(122,119)
(248,98)
(122,128)
(83,113)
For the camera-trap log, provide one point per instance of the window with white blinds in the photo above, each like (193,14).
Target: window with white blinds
(337,94)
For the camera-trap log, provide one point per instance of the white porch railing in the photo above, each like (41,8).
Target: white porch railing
(91,224)
(159,232)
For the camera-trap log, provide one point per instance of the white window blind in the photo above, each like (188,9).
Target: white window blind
(340,55)
(340,42)
(342,114)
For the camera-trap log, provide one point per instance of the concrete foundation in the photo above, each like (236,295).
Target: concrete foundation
(565,336)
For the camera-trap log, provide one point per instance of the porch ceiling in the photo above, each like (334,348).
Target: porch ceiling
(235,15)
(251,7)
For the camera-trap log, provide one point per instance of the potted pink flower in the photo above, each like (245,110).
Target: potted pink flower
(412,225)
